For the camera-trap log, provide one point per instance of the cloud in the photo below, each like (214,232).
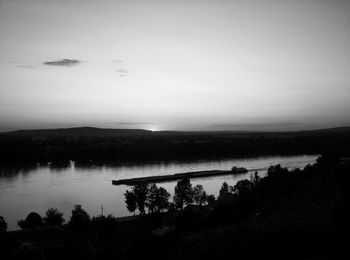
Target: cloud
(63,62)
(135,123)
(25,66)
(124,71)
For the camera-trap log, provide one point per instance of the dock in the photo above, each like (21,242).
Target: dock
(177,176)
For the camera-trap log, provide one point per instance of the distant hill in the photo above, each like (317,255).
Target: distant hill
(86,144)
(108,132)
(329,130)
(79,131)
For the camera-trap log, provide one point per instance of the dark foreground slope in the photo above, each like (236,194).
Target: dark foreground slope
(113,145)
(300,215)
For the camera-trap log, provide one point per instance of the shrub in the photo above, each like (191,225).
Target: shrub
(3,225)
(33,220)
(53,217)
(80,220)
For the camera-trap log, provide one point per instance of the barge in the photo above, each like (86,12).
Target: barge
(178,176)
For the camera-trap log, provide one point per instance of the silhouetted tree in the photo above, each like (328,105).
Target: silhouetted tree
(157,199)
(276,170)
(152,197)
(210,199)
(53,217)
(199,194)
(33,220)
(255,178)
(172,206)
(162,199)
(224,190)
(243,187)
(80,220)
(131,201)
(141,192)
(3,225)
(183,193)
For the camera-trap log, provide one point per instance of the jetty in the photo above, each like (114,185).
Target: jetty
(178,176)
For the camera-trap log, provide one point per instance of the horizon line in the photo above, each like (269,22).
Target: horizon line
(169,130)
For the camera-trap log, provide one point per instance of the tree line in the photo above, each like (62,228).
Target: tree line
(232,204)
(157,199)
(173,146)
(141,197)
(79,222)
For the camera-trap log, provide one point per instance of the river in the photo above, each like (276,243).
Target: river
(42,187)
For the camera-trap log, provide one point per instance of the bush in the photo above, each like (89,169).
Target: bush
(183,194)
(33,220)
(3,225)
(53,217)
(80,220)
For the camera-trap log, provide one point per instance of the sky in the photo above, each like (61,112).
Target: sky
(175,64)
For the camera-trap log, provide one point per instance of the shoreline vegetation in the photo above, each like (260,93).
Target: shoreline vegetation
(87,145)
(301,211)
(293,214)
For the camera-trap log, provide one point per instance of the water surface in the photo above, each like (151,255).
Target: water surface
(41,187)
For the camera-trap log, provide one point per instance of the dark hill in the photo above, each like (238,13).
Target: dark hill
(79,131)
(109,132)
(86,144)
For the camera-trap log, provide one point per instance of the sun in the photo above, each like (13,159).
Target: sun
(153,128)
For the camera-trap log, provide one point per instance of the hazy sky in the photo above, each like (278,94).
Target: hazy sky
(163,64)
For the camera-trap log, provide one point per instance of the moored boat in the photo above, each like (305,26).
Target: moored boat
(235,169)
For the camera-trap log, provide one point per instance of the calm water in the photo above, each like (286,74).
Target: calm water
(40,188)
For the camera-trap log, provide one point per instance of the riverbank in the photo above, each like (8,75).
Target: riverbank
(43,187)
(301,214)
(86,144)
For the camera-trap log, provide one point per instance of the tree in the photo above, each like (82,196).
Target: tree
(151,202)
(157,199)
(171,207)
(210,199)
(3,225)
(131,201)
(224,190)
(276,170)
(141,192)
(199,194)
(162,199)
(80,220)
(53,217)
(243,187)
(33,220)
(255,179)
(183,193)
